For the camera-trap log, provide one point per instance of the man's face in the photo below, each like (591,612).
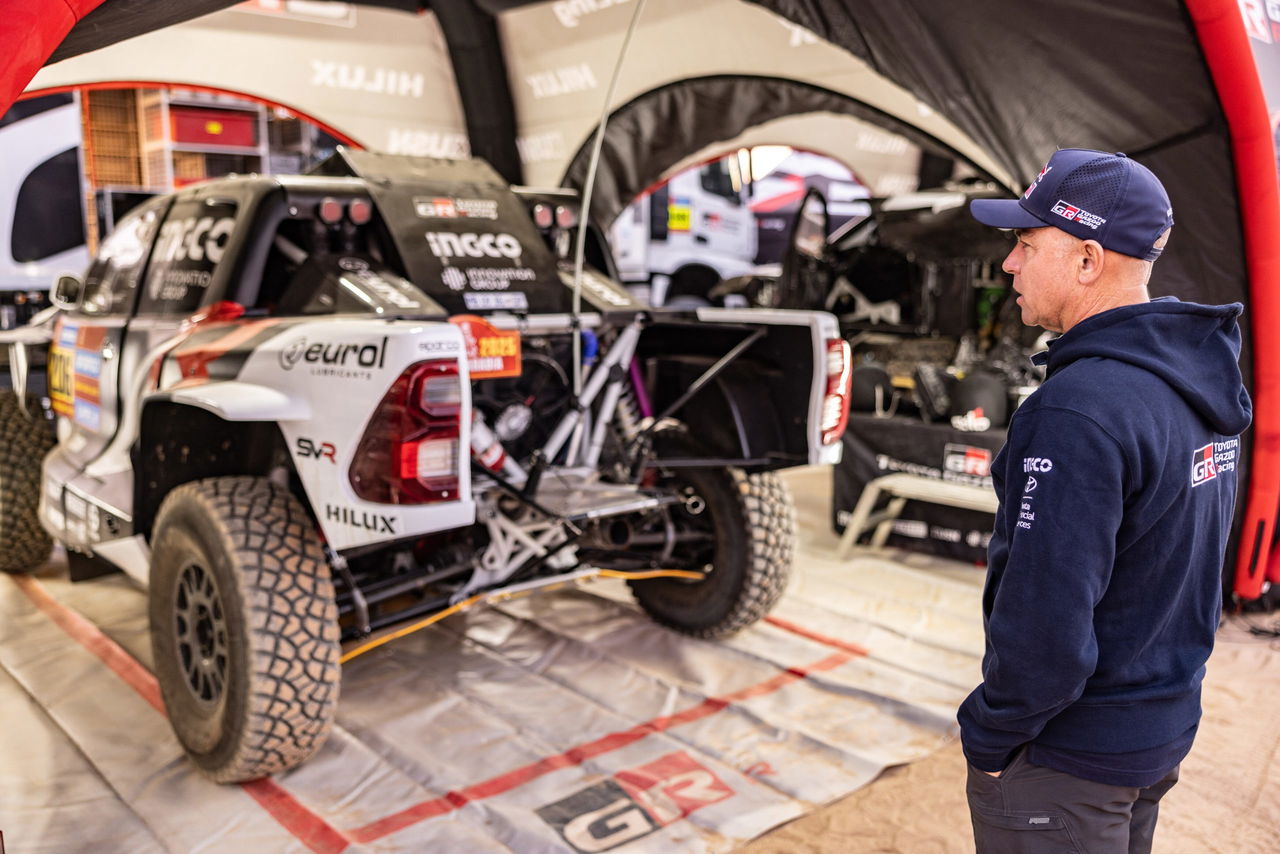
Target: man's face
(1043,270)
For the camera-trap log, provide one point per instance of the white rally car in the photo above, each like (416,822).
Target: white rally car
(303,409)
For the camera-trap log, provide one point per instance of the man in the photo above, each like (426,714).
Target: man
(1116,486)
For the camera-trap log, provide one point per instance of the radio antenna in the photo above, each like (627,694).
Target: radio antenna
(585,215)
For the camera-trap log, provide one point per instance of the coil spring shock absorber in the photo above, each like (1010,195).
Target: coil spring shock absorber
(628,413)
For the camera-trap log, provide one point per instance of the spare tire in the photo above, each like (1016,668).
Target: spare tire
(25,437)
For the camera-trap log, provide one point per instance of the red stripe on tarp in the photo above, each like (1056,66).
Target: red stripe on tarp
(797,629)
(307,827)
(311,830)
(91,638)
(581,753)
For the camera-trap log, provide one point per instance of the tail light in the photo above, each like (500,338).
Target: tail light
(409,452)
(835,405)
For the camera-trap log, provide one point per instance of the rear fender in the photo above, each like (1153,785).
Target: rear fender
(765,409)
(238,401)
(316,384)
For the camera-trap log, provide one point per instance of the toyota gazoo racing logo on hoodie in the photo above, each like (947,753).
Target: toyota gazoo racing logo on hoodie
(1213,459)
(447,245)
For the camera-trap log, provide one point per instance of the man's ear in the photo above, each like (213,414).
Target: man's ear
(1091,258)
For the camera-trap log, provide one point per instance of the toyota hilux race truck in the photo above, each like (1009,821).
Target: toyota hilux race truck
(301,410)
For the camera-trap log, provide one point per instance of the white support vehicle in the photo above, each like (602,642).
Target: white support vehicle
(688,234)
(303,409)
(41,202)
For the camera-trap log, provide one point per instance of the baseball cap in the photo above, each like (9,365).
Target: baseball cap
(1092,195)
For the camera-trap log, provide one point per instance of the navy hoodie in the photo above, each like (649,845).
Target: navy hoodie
(1117,485)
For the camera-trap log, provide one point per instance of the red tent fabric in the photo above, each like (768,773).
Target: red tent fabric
(29,32)
(1171,82)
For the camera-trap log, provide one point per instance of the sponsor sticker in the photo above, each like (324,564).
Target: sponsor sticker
(973,421)
(600,287)
(966,459)
(350,360)
(374,523)
(310,449)
(88,415)
(634,803)
(62,359)
(510,301)
(491,352)
(886,463)
(453,207)
(447,245)
(392,290)
(485,278)
(679,214)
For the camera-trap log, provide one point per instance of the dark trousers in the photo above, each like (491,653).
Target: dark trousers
(1030,809)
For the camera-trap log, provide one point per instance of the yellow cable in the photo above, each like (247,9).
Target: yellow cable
(498,594)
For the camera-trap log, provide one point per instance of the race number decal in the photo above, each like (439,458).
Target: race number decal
(491,352)
(62,378)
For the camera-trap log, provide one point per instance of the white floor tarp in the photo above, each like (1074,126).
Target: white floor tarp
(559,722)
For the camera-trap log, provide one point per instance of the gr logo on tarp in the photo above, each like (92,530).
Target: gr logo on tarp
(634,803)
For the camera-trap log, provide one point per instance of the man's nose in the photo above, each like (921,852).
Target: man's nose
(1010,264)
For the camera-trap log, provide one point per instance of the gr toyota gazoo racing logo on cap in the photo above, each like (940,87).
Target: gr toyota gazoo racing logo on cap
(1076,214)
(446,245)
(1203,467)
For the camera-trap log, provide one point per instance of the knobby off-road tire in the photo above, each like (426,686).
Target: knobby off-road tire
(244,627)
(754,522)
(24,440)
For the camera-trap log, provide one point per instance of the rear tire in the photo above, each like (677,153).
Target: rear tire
(244,627)
(753,519)
(24,441)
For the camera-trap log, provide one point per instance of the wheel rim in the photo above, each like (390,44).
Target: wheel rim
(200,629)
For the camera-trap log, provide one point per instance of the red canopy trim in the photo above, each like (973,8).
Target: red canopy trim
(195,87)
(1235,76)
(29,31)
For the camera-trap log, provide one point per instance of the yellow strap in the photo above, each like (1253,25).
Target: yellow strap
(498,595)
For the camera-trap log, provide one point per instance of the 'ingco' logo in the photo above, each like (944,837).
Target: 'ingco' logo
(1203,469)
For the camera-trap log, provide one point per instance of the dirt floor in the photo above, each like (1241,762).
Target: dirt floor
(1227,802)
